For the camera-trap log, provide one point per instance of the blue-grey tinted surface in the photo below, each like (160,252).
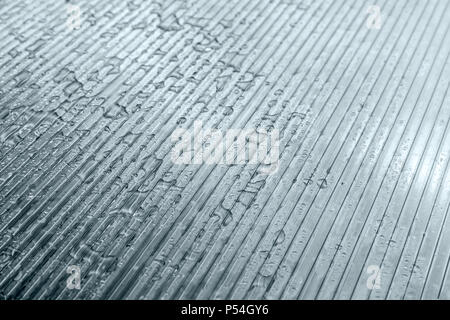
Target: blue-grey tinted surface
(94,205)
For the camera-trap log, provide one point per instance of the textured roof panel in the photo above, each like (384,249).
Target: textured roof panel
(96,204)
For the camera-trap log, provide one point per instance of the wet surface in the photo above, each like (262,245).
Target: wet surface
(91,92)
